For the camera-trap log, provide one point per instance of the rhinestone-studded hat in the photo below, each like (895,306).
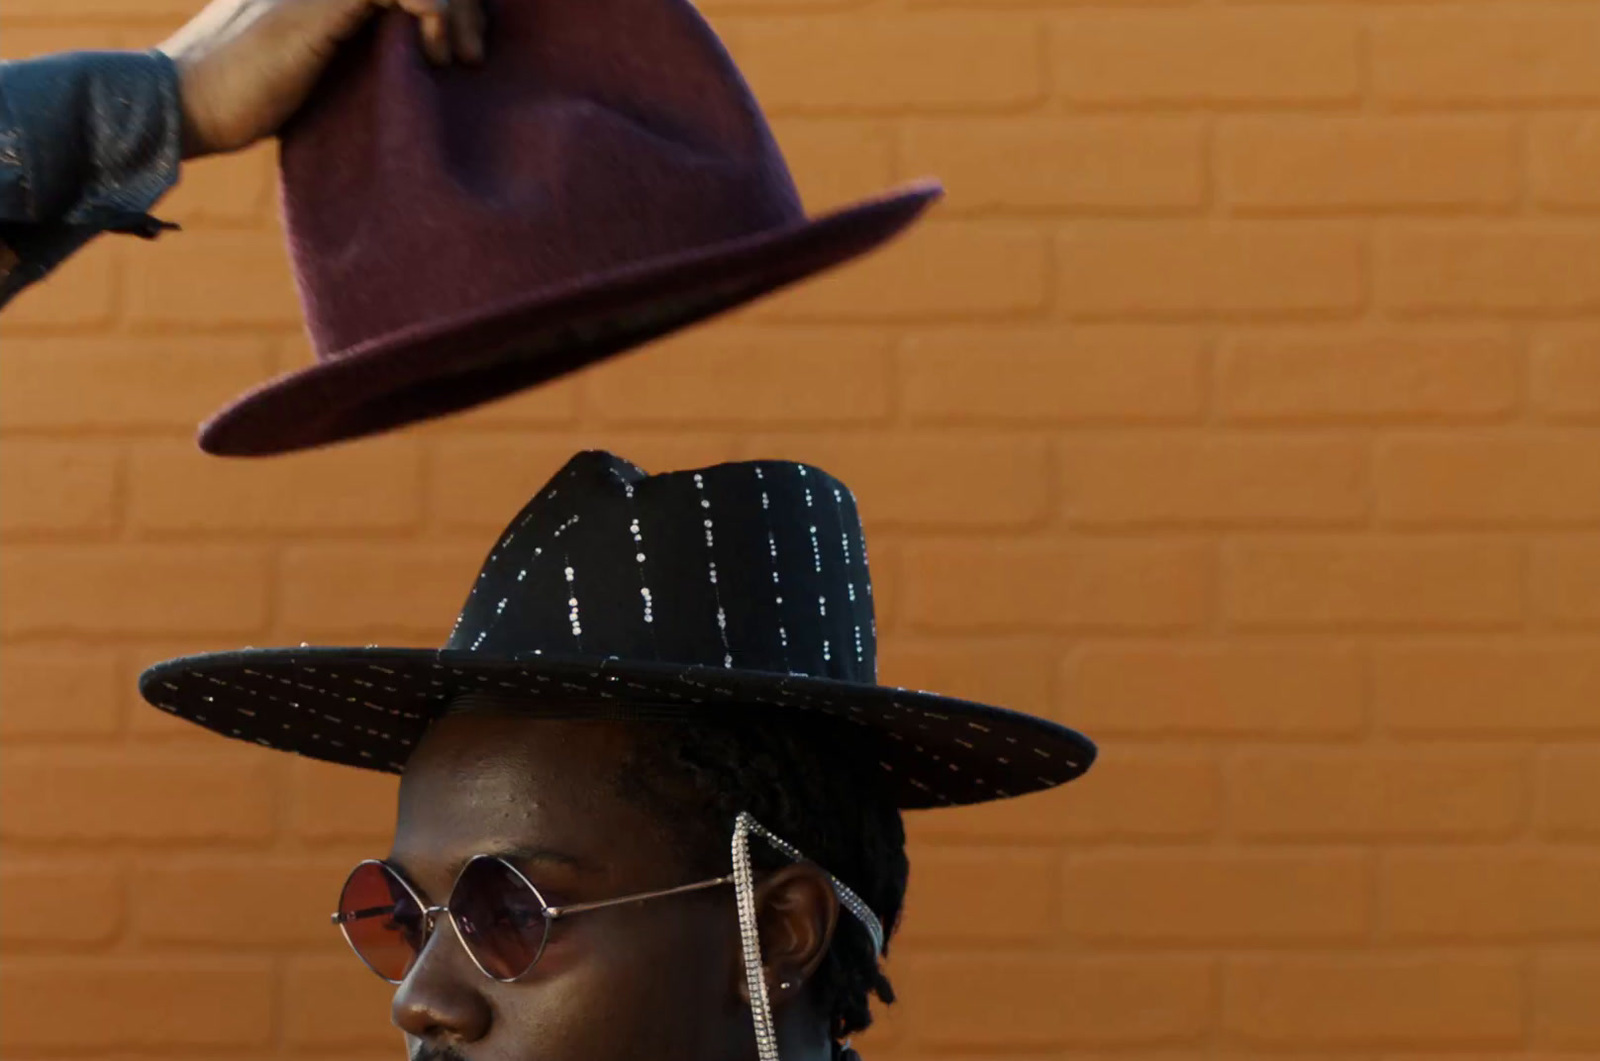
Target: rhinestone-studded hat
(606,177)
(741,587)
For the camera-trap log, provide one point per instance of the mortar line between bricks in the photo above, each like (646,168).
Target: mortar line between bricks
(1527,339)
(1213,203)
(1528,970)
(121,941)
(1051,307)
(1211,337)
(1562,105)
(1531,621)
(1366,60)
(277,580)
(278,1007)
(1367,262)
(1373,862)
(1524,201)
(1214,624)
(1370,443)
(1380,211)
(1062,106)
(897,351)
(122,496)
(1527,832)
(280,780)
(1056,519)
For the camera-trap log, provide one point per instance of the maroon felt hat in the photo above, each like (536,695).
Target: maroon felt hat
(460,234)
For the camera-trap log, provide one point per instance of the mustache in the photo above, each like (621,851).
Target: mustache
(427,1052)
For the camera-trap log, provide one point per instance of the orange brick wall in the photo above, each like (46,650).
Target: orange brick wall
(1241,406)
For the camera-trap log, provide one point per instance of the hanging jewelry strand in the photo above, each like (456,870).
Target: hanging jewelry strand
(750,934)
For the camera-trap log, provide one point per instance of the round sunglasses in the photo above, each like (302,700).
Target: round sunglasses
(503,921)
(498,914)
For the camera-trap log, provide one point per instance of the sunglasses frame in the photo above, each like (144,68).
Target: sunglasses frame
(430,914)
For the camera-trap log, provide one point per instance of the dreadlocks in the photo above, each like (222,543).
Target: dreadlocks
(803,780)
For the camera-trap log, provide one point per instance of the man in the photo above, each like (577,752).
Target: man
(90,141)
(661,690)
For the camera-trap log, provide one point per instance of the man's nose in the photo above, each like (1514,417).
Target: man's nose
(440,1001)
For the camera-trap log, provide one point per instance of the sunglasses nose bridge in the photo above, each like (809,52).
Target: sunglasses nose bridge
(432,914)
(431,918)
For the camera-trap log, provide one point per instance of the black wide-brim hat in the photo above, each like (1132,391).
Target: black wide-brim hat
(738,590)
(457,235)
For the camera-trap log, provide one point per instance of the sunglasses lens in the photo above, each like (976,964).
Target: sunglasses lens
(381,920)
(500,918)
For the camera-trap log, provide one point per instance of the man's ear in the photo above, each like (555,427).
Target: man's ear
(797,911)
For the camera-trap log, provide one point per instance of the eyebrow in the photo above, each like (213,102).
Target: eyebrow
(517,855)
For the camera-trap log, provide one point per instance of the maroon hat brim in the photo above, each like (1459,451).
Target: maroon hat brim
(446,366)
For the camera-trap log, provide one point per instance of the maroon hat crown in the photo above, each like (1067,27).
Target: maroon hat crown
(457,234)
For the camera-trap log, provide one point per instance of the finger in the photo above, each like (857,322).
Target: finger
(467,27)
(436,38)
(351,16)
(419,8)
(433,24)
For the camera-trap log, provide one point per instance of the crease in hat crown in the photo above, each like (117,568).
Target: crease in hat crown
(458,234)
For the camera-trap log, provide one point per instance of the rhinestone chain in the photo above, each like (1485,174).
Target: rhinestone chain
(750,935)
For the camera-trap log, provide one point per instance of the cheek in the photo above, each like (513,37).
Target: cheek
(653,983)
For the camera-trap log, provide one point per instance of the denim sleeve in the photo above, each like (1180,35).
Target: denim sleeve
(89,141)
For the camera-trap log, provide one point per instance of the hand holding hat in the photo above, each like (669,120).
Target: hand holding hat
(247,65)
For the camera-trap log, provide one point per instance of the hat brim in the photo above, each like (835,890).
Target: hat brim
(446,366)
(369,708)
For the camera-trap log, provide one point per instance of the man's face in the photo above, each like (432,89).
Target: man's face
(653,979)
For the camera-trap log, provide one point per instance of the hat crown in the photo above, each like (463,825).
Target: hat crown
(595,136)
(759,566)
